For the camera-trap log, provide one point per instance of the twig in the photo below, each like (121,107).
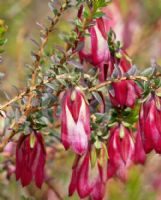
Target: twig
(108,82)
(39,54)
(66,76)
(31,89)
(16,98)
(15,126)
(44,41)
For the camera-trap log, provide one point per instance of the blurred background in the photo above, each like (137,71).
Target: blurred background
(138,26)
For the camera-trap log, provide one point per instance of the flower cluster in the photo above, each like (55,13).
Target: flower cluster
(106,147)
(124,148)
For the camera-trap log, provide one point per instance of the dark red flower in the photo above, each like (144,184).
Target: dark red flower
(139,154)
(84,181)
(120,151)
(150,123)
(30,159)
(75,121)
(123,93)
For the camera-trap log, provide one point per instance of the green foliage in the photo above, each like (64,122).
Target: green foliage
(3,40)
(99,3)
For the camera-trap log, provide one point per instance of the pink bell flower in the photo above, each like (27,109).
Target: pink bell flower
(95,48)
(95,45)
(75,121)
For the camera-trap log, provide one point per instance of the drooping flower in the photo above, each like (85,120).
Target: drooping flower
(125,92)
(30,159)
(95,48)
(84,181)
(121,152)
(150,123)
(75,121)
(139,154)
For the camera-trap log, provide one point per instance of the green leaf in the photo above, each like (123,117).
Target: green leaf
(50,85)
(157,82)
(86,13)
(148,72)
(100,3)
(98,15)
(3,41)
